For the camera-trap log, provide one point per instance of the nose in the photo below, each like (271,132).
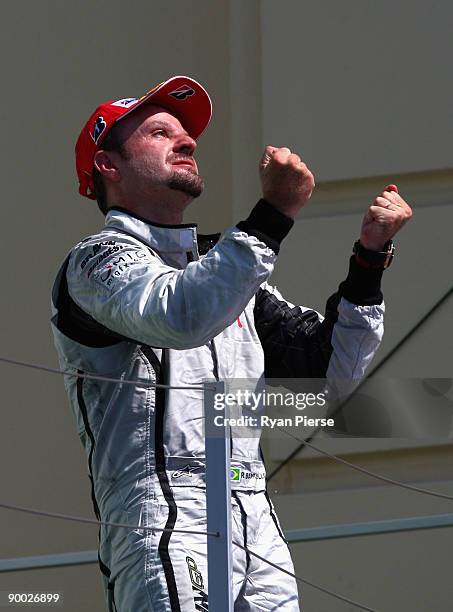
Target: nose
(185,144)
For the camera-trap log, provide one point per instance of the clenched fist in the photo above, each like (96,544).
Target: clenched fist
(286,181)
(385,217)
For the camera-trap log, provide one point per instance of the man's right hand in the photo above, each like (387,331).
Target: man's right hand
(286,181)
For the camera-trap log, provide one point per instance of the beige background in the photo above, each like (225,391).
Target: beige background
(363,91)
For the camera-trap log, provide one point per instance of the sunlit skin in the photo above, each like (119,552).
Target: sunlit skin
(156,175)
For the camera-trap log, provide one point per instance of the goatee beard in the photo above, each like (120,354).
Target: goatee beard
(184,180)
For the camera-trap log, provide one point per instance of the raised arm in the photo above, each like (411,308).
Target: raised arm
(129,290)
(299,343)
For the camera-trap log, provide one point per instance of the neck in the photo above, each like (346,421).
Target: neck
(160,214)
(165,210)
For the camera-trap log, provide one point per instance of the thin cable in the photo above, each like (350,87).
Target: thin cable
(82,519)
(412,331)
(305,581)
(143,383)
(305,442)
(363,470)
(398,345)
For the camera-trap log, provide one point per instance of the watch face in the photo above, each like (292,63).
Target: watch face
(390,255)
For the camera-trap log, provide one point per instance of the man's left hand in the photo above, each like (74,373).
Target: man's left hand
(384,218)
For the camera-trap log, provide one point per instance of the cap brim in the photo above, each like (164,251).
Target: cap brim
(185,98)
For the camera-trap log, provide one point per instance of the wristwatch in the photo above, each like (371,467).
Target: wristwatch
(376,260)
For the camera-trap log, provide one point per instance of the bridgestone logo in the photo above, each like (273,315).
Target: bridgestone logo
(182,92)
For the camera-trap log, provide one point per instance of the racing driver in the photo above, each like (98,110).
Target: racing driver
(146,299)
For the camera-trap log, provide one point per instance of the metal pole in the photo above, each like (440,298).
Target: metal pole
(218,500)
(350,530)
(44,561)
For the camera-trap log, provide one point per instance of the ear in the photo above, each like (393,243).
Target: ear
(105,162)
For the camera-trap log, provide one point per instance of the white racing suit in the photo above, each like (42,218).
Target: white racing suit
(155,303)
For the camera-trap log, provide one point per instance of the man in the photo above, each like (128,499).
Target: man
(145,299)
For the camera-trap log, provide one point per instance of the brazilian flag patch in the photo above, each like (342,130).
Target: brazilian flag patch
(236,473)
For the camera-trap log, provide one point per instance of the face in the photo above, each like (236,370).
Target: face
(158,154)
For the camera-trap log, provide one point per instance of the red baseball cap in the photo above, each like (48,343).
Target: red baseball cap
(181,95)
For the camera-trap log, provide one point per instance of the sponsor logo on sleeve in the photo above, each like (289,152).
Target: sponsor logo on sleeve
(96,248)
(118,266)
(125,258)
(110,251)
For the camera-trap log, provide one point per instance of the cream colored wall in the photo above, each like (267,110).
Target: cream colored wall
(363,88)
(404,572)
(362,91)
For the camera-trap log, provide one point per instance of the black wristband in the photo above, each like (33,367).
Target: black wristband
(267,224)
(367,258)
(362,285)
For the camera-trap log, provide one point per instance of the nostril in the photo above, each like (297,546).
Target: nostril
(187,149)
